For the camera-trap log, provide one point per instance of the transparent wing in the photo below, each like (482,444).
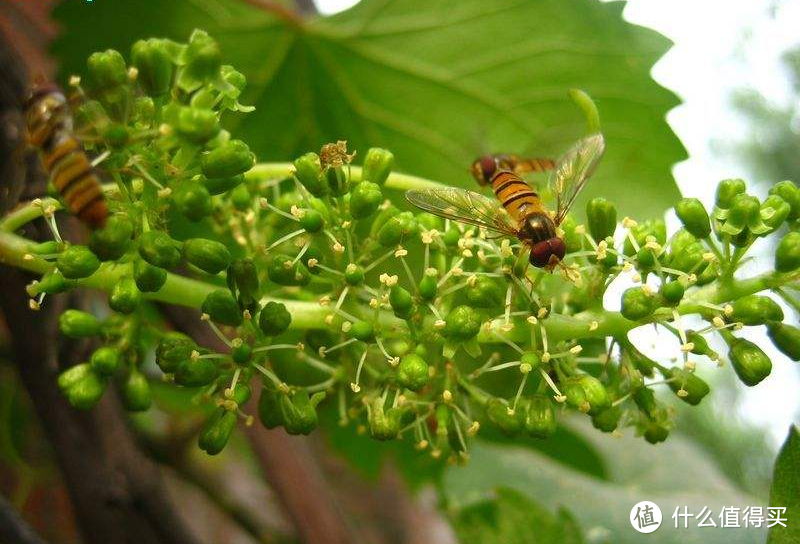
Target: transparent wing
(573,171)
(464,206)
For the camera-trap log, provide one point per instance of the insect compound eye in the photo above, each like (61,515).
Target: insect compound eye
(488,166)
(558,247)
(540,254)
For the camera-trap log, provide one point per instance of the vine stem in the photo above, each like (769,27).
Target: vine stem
(16,251)
(273,170)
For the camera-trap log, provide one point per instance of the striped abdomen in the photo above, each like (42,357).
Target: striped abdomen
(63,157)
(516,196)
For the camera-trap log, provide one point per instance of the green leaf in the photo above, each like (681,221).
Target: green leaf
(512,517)
(438,83)
(673,474)
(785,490)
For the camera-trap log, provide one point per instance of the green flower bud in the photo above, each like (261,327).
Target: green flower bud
(84,393)
(78,324)
(451,236)
(774,212)
(312,221)
(217,431)
(136,394)
(269,411)
(194,372)
(144,110)
(743,211)
(70,377)
(354,274)
(402,302)
(708,275)
(53,283)
(116,135)
(787,254)
(727,190)
(640,232)
(641,363)
(337,178)
(362,330)
(428,221)
(645,399)
(241,197)
(274,318)
(701,346)
(125,296)
(201,61)
(152,59)
(687,385)
(686,253)
(756,310)
(586,393)
(193,200)
(377,165)
(242,353)
(786,338)
(148,278)
(540,418)
(365,199)
(217,186)
(510,424)
(198,125)
(77,262)
(572,239)
(281,271)
(637,303)
(308,172)
(112,241)
(790,194)
(412,372)
(428,288)
(243,282)
(107,69)
(105,360)
(229,159)
(208,255)
(158,249)
(607,420)
(485,293)
(383,425)
(601,217)
(381,218)
(750,363)
(222,308)
(173,349)
(672,292)
(694,217)
(532,360)
(396,228)
(655,433)
(299,412)
(462,323)
(645,259)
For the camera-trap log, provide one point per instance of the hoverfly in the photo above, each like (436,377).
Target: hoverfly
(484,168)
(518,211)
(50,131)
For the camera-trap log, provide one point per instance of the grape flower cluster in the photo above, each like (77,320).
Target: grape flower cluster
(329,291)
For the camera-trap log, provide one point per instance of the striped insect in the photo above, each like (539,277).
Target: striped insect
(485,167)
(50,131)
(517,210)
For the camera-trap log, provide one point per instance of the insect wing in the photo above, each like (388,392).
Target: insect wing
(464,206)
(573,171)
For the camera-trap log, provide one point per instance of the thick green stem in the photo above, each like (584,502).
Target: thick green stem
(275,170)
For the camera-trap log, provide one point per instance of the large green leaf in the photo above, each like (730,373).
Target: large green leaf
(786,490)
(436,81)
(673,474)
(512,518)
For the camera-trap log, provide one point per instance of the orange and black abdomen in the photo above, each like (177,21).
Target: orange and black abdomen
(63,157)
(516,196)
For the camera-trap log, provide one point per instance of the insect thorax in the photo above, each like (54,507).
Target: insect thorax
(537,227)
